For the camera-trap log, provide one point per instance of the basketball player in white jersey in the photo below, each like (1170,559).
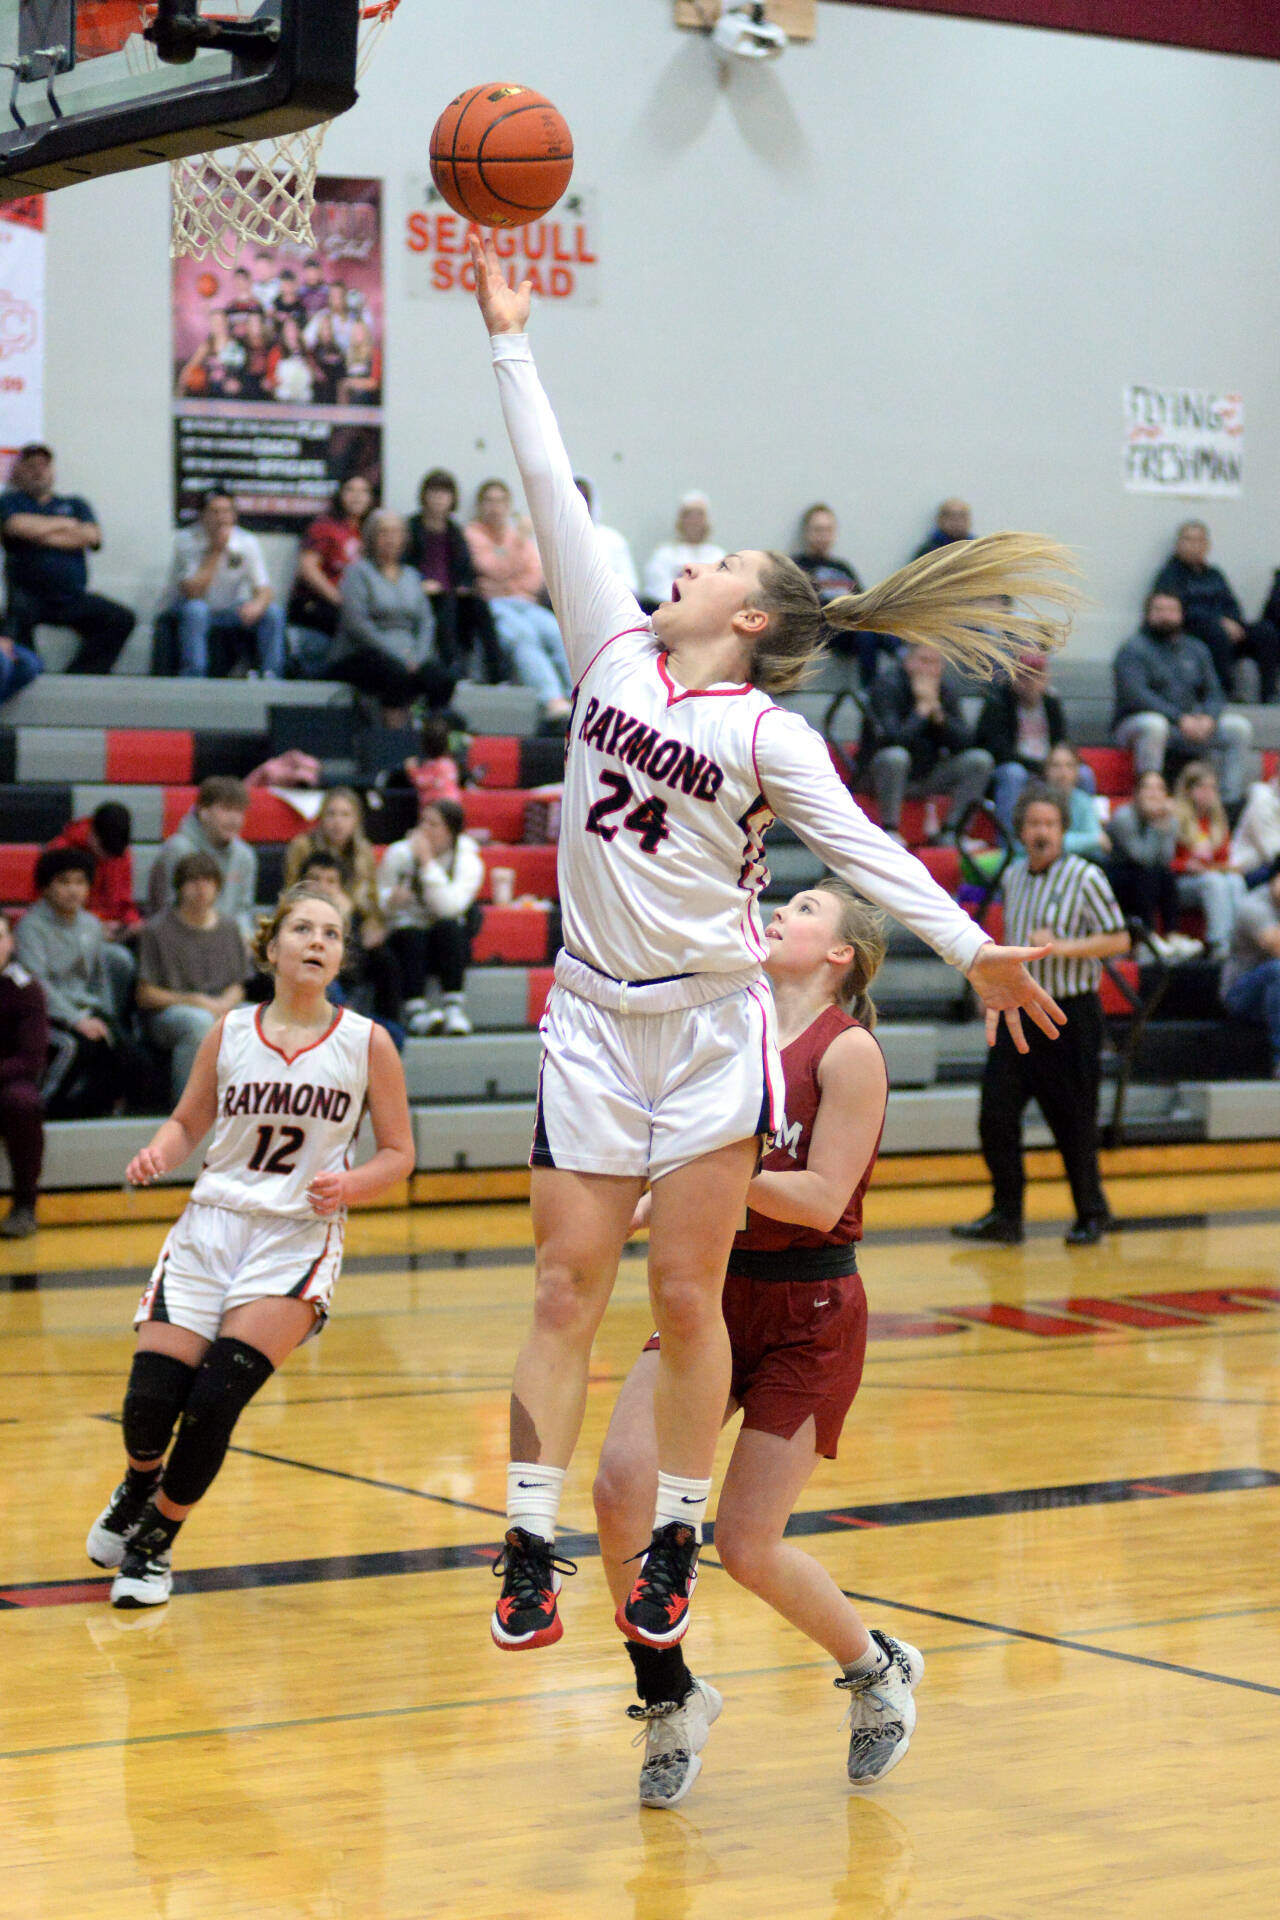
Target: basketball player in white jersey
(247,1272)
(659,1059)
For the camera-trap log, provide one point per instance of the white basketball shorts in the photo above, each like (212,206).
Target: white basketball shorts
(215,1259)
(645,1093)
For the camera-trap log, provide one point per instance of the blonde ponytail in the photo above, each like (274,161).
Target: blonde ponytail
(961,600)
(862,928)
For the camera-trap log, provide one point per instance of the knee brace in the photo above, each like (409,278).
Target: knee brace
(226,1381)
(156,1394)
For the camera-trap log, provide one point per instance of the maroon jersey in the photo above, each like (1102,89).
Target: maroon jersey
(789,1146)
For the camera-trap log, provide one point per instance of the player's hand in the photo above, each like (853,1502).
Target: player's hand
(144,1168)
(327,1194)
(505,310)
(1000,979)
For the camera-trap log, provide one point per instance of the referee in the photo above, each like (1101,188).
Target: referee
(1051,898)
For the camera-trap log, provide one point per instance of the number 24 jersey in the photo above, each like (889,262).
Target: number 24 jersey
(282,1121)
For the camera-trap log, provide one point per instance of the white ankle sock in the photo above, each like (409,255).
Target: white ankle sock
(533,1497)
(872,1661)
(682,1500)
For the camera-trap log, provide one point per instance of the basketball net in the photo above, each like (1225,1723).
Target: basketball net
(262,194)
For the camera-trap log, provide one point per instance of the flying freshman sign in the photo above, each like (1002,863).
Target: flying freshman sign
(1227,26)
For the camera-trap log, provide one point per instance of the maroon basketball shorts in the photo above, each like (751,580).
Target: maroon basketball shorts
(798,1349)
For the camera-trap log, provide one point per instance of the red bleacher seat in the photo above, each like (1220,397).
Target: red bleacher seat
(514,935)
(493,760)
(151,757)
(1113,1001)
(534,868)
(18,875)
(1270,763)
(540,982)
(498,811)
(943,863)
(1112,769)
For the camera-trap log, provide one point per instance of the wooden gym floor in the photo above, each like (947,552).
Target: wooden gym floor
(1061,1480)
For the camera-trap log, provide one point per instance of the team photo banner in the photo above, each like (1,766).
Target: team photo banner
(1184,440)
(277,366)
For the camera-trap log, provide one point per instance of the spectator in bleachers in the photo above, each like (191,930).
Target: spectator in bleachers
(369,982)
(920,746)
(191,966)
(1020,724)
(19,666)
(1251,977)
(509,577)
(219,589)
(24,1050)
(434,772)
(1085,834)
(466,638)
(692,547)
(213,826)
(62,944)
(1144,845)
(385,640)
(833,576)
(1168,697)
(1255,844)
(329,545)
(1212,613)
(613,545)
(339,831)
(428,886)
(1206,876)
(953,521)
(1054,899)
(107,833)
(47,536)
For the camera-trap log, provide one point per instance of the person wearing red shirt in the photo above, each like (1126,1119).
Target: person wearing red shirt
(329,545)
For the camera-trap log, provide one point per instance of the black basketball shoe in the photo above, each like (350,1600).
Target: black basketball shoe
(116,1525)
(526,1614)
(657,1609)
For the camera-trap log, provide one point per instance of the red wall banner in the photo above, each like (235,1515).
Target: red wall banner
(1226,26)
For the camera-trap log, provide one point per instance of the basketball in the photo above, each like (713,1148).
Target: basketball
(501,155)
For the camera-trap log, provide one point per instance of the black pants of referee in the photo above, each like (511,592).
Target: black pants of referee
(1064,1077)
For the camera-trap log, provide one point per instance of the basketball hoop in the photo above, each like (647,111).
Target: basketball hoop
(262,194)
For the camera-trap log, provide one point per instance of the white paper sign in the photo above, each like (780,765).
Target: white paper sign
(1185,440)
(21,322)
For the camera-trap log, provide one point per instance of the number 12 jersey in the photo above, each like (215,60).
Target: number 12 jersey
(282,1121)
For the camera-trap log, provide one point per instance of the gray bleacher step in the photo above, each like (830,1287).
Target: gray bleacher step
(494,1066)
(1238,1109)
(454,1139)
(59,754)
(145,804)
(497,998)
(497,710)
(134,700)
(910,988)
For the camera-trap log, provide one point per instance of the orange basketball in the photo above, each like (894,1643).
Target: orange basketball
(501,155)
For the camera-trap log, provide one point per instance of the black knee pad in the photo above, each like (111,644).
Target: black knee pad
(156,1394)
(226,1381)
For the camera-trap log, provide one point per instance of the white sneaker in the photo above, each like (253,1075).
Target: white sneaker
(114,1527)
(882,1714)
(673,1739)
(455,1019)
(425,1024)
(144,1580)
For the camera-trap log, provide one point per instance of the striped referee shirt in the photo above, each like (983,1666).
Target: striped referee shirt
(1073,899)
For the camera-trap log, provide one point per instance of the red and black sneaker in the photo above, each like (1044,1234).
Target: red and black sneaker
(657,1609)
(526,1615)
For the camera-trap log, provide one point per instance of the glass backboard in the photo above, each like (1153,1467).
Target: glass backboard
(84,91)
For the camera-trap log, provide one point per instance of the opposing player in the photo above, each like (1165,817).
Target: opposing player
(659,1057)
(797,1319)
(247,1272)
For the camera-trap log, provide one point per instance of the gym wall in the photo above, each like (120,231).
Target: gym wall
(920,256)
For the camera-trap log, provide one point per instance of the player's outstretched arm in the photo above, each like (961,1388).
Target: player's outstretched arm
(591,603)
(189,1122)
(329,1193)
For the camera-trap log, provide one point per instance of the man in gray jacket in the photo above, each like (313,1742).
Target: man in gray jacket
(1167,688)
(213,826)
